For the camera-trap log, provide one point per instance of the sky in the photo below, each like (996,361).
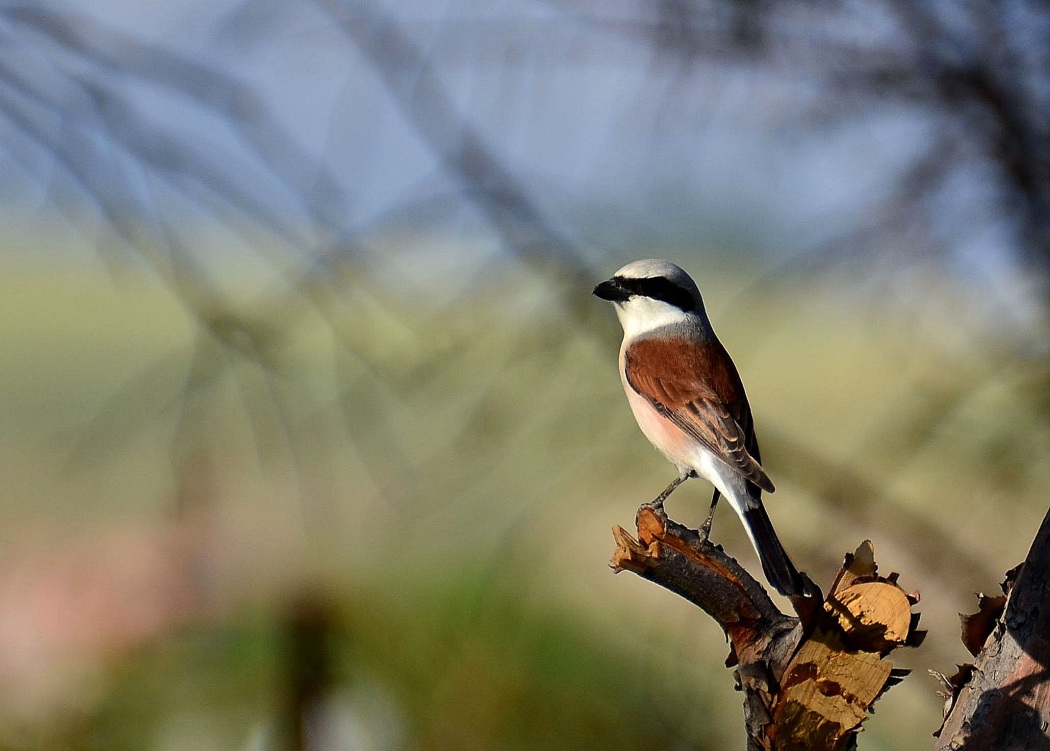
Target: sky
(618,144)
(581,116)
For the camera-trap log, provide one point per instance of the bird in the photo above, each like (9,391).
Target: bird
(688,399)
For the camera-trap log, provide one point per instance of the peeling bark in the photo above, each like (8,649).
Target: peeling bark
(1002,701)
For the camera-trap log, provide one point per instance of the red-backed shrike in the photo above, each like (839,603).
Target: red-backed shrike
(689,401)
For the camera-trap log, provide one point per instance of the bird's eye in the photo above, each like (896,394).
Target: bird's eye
(663,289)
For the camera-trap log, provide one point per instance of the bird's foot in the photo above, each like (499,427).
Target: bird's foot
(656,505)
(658,502)
(704,533)
(705,529)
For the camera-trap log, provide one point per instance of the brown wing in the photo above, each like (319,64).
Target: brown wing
(697,387)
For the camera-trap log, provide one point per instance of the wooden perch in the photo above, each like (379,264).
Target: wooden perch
(808,680)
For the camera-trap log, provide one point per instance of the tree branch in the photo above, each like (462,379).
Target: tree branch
(808,680)
(1005,696)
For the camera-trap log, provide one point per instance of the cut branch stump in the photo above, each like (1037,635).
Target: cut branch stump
(809,680)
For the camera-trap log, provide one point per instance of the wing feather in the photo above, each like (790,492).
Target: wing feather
(698,388)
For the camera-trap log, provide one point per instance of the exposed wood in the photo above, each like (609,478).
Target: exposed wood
(839,670)
(809,680)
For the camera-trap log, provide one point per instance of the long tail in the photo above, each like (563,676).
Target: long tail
(776,564)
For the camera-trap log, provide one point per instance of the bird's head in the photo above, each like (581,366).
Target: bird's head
(650,294)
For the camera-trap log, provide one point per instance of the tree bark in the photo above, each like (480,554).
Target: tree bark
(1004,702)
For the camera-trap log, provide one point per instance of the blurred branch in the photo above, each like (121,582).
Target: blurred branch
(71,87)
(974,77)
(975,72)
(490,185)
(120,57)
(309,625)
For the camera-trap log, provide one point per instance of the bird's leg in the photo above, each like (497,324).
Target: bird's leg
(658,502)
(705,528)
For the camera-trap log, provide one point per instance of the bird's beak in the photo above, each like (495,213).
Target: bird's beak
(611,290)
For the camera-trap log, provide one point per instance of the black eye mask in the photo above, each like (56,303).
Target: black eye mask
(658,288)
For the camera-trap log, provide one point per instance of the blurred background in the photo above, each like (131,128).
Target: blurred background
(311,435)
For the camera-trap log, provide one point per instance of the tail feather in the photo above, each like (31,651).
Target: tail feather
(776,564)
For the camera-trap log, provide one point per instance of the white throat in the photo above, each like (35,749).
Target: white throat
(641,315)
